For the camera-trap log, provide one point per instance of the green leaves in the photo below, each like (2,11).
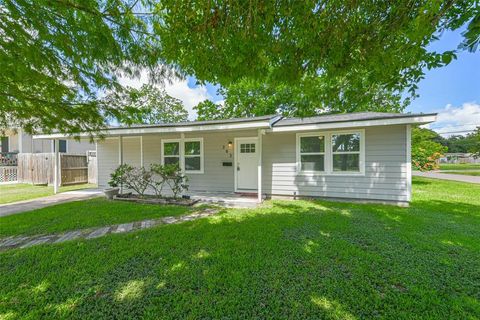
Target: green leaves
(59,56)
(425,151)
(147,105)
(360,55)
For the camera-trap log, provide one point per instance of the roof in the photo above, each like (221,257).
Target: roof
(272,123)
(346,117)
(201,123)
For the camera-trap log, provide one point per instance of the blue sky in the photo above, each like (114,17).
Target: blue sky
(452,91)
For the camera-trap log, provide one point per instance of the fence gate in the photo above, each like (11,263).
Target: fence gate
(74,169)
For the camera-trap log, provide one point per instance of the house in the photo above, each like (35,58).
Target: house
(35,167)
(362,156)
(18,141)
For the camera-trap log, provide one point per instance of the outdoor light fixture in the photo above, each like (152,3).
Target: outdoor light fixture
(230,144)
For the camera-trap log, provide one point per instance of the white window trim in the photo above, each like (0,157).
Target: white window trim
(66,146)
(328,161)
(182,149)
(182,156)
(299,154)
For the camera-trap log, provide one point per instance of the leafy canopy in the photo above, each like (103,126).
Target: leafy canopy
(148,105)
(57,58)
(425,150)
(306,56)
(248,98)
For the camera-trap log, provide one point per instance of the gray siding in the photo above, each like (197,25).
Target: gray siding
(385,169)
(385,164)
(216,177)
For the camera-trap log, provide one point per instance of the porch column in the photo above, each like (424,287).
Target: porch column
(141,152)
(259,165)
(409,161)
(55,166)
(120,156)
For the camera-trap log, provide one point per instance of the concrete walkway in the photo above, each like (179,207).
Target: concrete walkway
(447,176)
(28,205)
(24,241)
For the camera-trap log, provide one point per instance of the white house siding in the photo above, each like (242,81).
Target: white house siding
(385,169)
(216,177)
(107,160)
(385,164)
(79,147)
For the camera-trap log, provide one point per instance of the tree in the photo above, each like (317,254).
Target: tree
(57,57)
(475,148)
(147,105)
(357,54)
(248,98)
(425,151)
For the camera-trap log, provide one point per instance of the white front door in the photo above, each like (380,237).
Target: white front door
(246,166)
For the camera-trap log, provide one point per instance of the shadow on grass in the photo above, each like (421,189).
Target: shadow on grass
(286,260)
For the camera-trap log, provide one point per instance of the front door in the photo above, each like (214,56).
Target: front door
(246,171)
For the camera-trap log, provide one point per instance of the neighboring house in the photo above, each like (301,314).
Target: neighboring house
(363,156)
(459,158)
(17,141)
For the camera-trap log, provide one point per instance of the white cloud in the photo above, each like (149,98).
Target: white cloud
(178,89)
(457,120)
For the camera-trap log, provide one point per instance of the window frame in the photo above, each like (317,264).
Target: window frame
(181,154)
(328,161)
(300,153)
(184,156)
(66,146)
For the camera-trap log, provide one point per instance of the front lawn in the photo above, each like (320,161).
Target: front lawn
(20,191)
(460,166)
(288,259)
(82,214)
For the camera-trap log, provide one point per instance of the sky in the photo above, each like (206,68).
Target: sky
(452,91)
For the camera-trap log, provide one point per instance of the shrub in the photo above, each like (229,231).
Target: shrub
(425,155)
(172,176)
(117,176)
(136,179)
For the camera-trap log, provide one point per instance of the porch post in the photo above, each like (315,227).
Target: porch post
(409,162)
(141,152)
(259,165)
(120,156)
(55,167)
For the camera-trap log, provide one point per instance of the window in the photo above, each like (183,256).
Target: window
(189,155)
(247,148)
(346,152)
(62,146)
(4,144)
(331,152)
(193,156)
(312,153)
(171,152)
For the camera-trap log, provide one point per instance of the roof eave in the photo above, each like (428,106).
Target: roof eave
(136,131)
(416,119)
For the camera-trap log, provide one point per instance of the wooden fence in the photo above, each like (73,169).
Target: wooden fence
(38,168)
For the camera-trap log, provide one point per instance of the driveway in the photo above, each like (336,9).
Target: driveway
(28,205)
(447,176)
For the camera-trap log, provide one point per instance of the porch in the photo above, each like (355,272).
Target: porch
(226,199)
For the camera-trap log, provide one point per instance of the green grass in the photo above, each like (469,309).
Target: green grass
(18,192)
(82,214)
(298,260)
(465,173)
(460,166)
